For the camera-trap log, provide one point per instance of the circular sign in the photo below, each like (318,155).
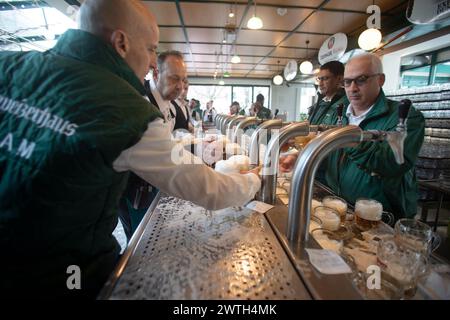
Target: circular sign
(290,70)
(333,48)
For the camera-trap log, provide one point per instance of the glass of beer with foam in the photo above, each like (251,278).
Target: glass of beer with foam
(369,213)
(338,204)
(329,217)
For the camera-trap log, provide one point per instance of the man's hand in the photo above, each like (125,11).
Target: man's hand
(287,162)
(254,171)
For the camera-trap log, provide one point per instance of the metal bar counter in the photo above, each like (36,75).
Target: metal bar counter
(182,251)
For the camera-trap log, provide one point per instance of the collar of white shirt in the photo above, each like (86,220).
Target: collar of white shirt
(328,99)
(356,120)
(164,105)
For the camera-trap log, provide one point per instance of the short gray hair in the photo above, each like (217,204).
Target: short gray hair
(375,61)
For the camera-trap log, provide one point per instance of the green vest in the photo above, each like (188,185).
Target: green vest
(65,116)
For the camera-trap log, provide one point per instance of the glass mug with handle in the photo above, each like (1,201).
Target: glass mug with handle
(369,213)
(417,236)
(337,204)
(399,265)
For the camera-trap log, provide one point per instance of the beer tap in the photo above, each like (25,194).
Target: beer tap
(270,164)
(230,126)
(340,111)
(396,138)
(239,131)
(318,149)
(260,135)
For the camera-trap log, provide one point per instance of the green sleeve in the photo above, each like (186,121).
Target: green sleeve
(377,157)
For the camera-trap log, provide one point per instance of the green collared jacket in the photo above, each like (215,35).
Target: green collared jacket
(369,170)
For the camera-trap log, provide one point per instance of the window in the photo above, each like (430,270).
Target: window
(265,92)
(31,25)
(243,95)
(417,77)
(442,73)
(426,69)
(223,96)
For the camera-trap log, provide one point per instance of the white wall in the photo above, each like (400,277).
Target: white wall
(391,62)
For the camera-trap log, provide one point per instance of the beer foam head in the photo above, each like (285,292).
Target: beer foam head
(315,204)
(369,209)
(335,203)
(330,218)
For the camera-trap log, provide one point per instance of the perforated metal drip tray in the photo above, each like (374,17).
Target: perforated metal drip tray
(186,252)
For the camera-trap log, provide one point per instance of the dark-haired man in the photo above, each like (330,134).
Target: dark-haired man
(329,79)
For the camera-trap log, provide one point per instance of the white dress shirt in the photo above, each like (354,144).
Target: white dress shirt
(356,120)
(165,164)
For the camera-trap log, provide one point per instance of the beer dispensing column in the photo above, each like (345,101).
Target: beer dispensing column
(313,154)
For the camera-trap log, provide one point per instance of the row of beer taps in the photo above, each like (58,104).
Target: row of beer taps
(332,137)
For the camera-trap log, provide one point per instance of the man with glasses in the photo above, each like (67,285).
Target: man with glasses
(369,170)
(329,80)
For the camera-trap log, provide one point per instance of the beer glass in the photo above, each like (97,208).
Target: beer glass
(338,204)
(399,265)
(330,218)
(369,213)
(417,236)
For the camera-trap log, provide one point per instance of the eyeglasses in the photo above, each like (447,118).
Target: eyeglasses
(324,78)
(361,80)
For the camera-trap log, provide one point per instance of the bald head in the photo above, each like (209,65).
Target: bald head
(130,28)
(102,17)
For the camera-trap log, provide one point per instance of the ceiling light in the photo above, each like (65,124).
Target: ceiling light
(369,39)
(221,83)
(226,74)
(235,59)
(231,15)
(306,67)
(278,80)
(254,22)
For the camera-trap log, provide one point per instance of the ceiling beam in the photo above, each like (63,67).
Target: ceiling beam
(274,5)
(180,16)
(222,28)
(238,44)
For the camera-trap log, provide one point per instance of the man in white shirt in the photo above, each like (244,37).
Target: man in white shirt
(167,84)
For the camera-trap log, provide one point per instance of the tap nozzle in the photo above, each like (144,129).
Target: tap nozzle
(340,111)
(403,109)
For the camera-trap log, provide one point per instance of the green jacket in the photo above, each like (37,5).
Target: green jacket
(369,170)
(65,116)
(264,113)
(320,109)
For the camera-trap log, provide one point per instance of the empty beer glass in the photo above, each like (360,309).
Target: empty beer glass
(416,235)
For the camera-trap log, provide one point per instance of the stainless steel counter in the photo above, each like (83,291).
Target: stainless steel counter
(186,252)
